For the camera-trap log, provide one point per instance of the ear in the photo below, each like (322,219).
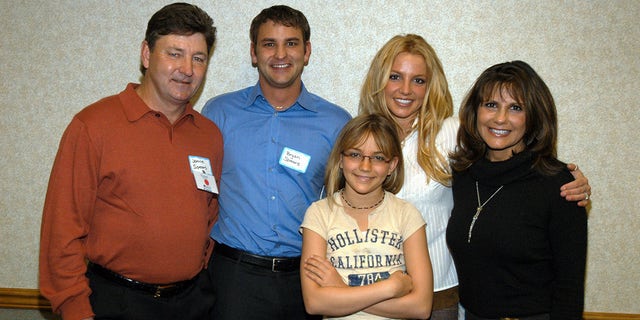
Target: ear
(307,52)
(145,54)
(254,58)
(392,165)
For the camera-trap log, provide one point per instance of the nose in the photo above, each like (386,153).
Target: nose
(406,87)
(281,51)
(365,164)
(501,115)
(186,67)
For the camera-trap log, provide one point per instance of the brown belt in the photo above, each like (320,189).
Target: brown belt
(445,298)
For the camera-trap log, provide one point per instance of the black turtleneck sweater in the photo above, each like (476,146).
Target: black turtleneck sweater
(527,250)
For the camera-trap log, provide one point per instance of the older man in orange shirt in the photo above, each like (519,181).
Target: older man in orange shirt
(132,195)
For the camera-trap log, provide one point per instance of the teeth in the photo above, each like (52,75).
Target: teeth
(499,132)
(280,65)
(404,101)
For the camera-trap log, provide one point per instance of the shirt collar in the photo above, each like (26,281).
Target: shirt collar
(305,99)
(135,108)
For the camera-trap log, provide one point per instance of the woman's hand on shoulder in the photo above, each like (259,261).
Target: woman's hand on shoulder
(577,190)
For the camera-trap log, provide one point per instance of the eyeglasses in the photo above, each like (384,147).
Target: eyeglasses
(359,157)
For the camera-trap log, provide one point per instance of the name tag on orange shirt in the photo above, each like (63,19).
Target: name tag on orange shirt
(202,173)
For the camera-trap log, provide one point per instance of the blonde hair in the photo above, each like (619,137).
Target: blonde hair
(437,105)
(353,134)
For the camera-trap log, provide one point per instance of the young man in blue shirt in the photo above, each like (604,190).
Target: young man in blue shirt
(277,137)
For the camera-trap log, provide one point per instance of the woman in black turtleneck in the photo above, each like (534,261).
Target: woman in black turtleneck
(519,248)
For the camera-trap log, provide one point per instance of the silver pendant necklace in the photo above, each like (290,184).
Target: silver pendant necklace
(479,208)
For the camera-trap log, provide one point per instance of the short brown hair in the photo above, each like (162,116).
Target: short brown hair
(283,15)
(182,19)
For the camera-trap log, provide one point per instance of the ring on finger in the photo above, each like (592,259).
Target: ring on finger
(586,196)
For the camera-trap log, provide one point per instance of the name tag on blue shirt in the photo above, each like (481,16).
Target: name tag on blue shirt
(294,160)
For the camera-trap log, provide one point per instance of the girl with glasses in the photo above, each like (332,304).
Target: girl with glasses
(364,251)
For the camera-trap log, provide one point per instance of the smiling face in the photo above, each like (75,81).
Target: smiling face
(364,177)
(406,88)
(280,55)
(175,69)
(502,125)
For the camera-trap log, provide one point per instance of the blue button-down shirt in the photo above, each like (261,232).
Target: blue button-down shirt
(262,203)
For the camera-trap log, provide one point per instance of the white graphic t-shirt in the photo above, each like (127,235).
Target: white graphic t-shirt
(363,257)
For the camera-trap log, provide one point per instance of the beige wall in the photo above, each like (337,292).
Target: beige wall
(59,56)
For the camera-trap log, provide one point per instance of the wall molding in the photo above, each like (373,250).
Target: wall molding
(610,316)
(17,298)
(23,299)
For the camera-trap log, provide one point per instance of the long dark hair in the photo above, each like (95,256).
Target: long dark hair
(526,87)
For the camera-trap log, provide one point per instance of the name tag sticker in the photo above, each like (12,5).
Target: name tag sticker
(200,165)
(201,169)
(294,160)
(206,182)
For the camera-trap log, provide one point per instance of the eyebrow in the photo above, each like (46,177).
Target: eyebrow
(415,75)
(275,40)
(181,50)
(361,151)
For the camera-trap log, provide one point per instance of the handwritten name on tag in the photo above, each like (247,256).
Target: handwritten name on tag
(294,160)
